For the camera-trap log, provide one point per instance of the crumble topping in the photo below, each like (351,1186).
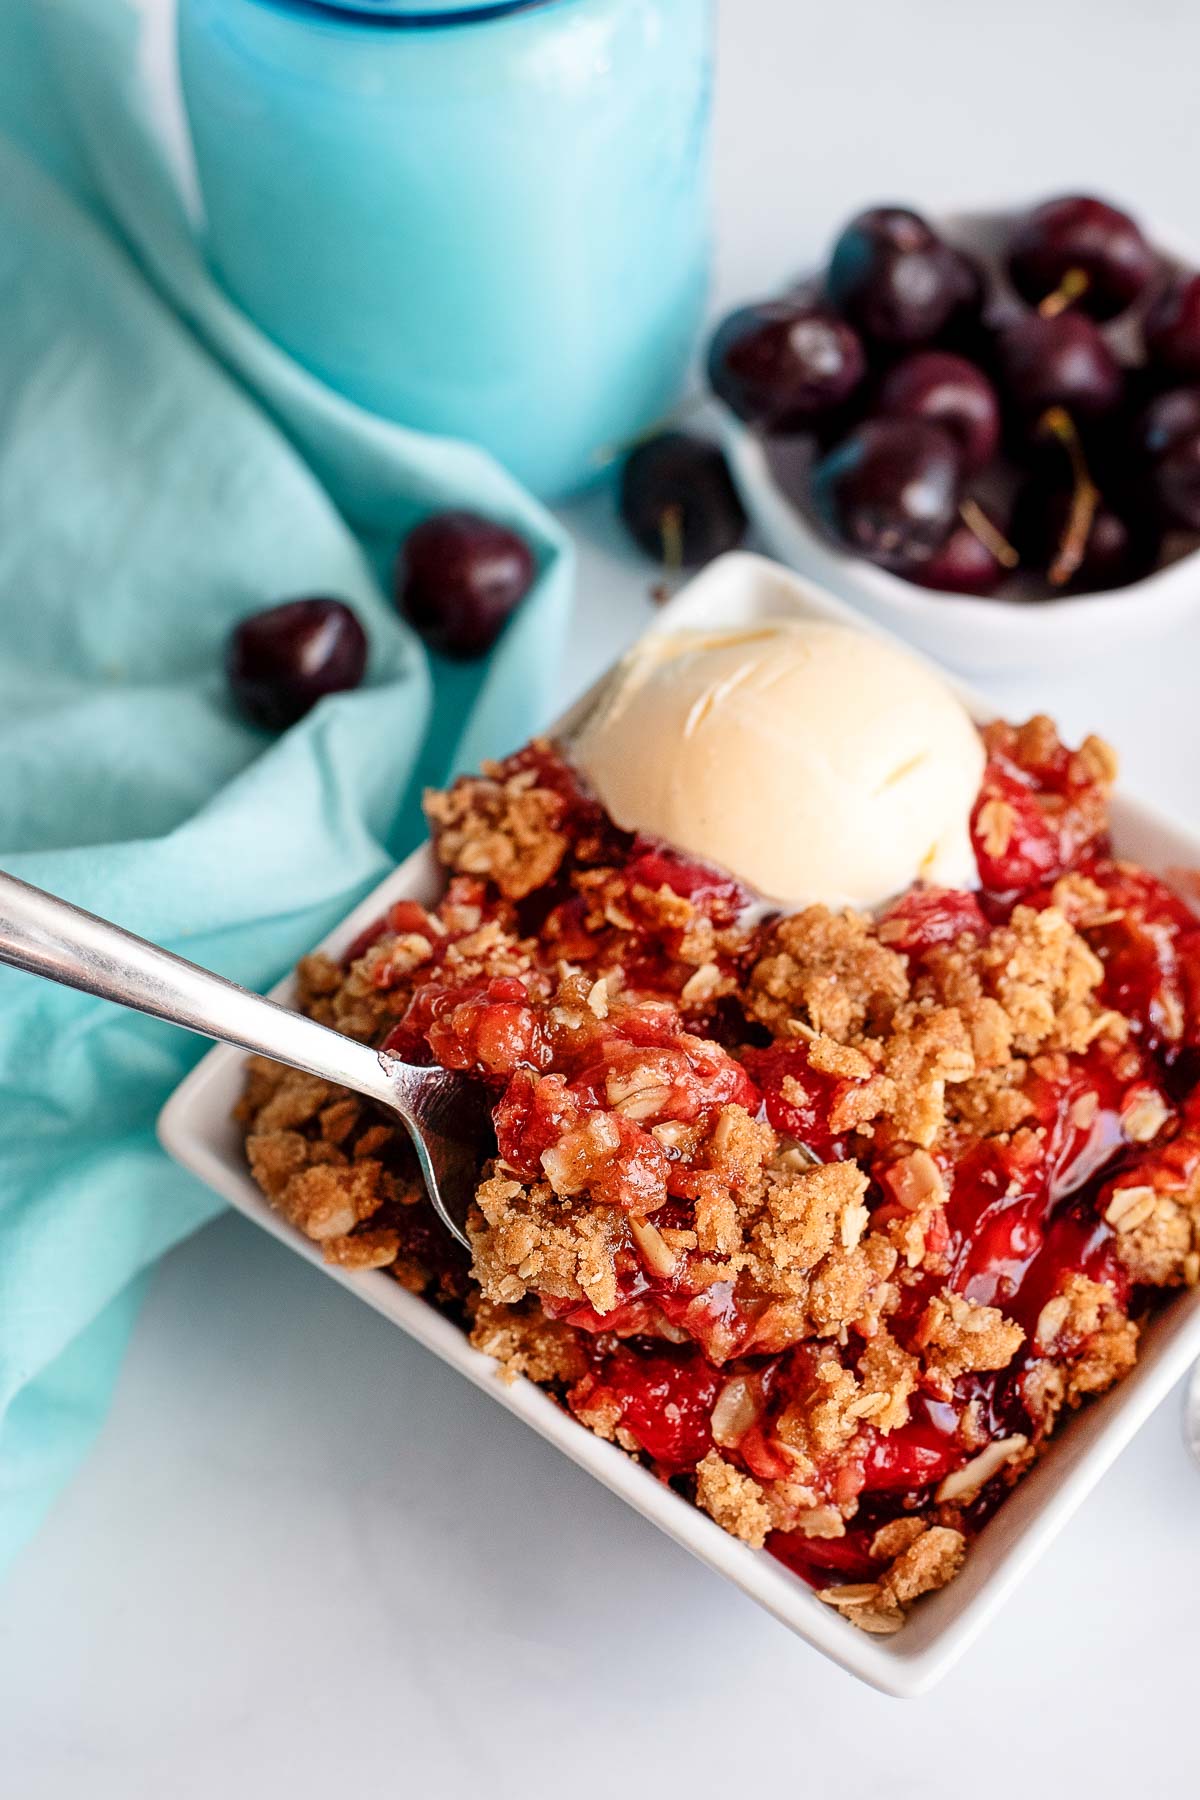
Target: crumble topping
(501,825)
(526,1238)
(932,1558)
(734,1500)
(828,971)
(960,1337)
(830,1219)
(525,1342)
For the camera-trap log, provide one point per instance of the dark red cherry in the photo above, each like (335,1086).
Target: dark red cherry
(1172,328)
(963,565)
(1079,251)
(1063,361)
(1166,418)
(459,578)
(890,490)
(965,330)
(678,500)
(950,391)
(894,278)
(1175,482)
(783,363)
(1119,547)
(280,662)
(969,280)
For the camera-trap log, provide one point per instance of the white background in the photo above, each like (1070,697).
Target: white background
(305,1559)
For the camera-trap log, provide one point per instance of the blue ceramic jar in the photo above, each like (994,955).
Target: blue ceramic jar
(485,220)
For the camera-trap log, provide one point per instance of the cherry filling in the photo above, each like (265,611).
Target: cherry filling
(800,1102)
(611,1109)
(1041,810)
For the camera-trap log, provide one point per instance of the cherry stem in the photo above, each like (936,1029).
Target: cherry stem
(1073,286)
(1085,496)
(988,533)
(670,530)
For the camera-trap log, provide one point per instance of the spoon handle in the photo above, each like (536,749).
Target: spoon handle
(47,936)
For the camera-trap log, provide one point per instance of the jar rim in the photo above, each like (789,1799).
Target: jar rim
(414,14)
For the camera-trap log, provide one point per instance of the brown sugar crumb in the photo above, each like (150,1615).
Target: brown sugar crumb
(931,1558)
(526,1238)
(1082,901)
(1097,761)
(339,1119)
(362,1250)
(1158,1235)
(996,823)
(929,1563)
(828,970)
(1090,1342)
(293,1099)
(739,1147)
(891,1373)
(927,1052)
(317,976)
(808,1214)
(374,1139)
(1044,975)
(525,1342)
(959,1337)
(853,1288)
(992,1103)
(896,1536)
(822,1419)
(275,1157)
(601,1412)
(325,1201)
(734,1500)
(504,828)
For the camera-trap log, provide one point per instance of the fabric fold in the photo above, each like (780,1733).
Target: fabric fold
(163,471)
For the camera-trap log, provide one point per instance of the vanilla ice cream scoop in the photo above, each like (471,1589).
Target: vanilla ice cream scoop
(813,761)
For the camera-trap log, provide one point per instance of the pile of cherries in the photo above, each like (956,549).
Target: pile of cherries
(969,424)
(458,579)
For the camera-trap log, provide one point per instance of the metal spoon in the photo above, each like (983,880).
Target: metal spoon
(447,1116)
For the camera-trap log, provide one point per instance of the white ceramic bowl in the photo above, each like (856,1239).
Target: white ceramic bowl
(197,1129)
(980,634)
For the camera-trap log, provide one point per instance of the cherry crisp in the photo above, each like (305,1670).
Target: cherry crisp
(828,1219)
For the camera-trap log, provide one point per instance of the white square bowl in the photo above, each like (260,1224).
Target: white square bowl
(197,1128)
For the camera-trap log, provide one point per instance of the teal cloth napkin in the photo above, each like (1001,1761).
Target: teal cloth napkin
(164,470)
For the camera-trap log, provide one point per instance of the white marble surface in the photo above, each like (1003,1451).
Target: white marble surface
(304,1558)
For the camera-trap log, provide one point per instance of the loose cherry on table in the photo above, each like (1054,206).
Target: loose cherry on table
(459,578)
(281,661)
(678,501)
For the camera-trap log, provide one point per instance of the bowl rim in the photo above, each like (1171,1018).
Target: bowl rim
(907,598)
(195,1127)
